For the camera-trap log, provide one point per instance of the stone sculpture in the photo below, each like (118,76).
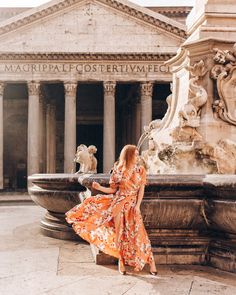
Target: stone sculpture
(150,159)
(189,115)
(188,150)
(85,157)
(224,73)
(156,124)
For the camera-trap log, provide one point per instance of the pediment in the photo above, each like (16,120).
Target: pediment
(90,26)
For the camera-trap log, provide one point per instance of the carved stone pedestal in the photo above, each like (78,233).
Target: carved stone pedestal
(221,192)
(222,254)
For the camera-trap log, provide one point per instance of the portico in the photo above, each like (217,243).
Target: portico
(121,58)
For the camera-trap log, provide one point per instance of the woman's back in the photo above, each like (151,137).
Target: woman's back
(128,181)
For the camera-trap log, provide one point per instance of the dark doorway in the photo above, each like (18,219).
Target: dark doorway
(54,96)
(127,96)
(89,113)
(15,124)
(159,104)
(92,135)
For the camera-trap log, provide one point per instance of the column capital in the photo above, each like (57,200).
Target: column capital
(109,87)
(1,88)
(146,88)
(33,87)
(70,88)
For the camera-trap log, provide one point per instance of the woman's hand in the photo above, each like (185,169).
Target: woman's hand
(96,185)
(137,209)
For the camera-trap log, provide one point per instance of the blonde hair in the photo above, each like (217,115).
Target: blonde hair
(126,156)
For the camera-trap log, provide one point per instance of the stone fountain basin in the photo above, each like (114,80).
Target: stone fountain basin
(190,219)
(221,195)
(170,201)
(55,192)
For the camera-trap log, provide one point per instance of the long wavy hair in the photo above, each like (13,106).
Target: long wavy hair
(126,157)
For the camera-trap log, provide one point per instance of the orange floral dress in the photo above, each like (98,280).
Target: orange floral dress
(93,220)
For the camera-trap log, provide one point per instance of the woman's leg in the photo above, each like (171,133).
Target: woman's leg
(117,222)
(152,264)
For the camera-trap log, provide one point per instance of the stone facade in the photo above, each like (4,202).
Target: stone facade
(56,51)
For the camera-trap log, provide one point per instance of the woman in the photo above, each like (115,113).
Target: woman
(113,221)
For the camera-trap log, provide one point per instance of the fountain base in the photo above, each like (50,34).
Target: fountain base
(54,225)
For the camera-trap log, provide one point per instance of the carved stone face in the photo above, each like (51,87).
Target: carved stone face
(219,57)
(92,149)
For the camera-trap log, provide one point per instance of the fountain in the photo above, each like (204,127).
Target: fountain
(189,207)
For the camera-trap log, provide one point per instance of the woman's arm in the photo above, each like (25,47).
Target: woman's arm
(139,198)
(142,172)
(106,190)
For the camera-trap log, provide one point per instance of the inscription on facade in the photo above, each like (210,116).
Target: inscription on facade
(83,68)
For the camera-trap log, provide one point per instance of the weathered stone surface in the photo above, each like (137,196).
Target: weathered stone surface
(83,25)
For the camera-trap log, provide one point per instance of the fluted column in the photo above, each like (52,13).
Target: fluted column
(51,137)
(109,126)
(33,127)
(146,103)
(1,134)
(70,126)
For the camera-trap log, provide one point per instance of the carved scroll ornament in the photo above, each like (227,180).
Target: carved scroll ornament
(224,72)
(190,113)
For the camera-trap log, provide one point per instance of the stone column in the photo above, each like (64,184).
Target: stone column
(109,126)
(137,121)
(146,107)
(146,104)
(42,131)
(1,134)
(51,138)
(33,127)
(70,126)
(44,136)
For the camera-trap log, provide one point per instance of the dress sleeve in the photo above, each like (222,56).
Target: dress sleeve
(115,178)
(143,175)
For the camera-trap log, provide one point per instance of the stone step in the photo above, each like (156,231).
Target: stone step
(162,255)
(15,198)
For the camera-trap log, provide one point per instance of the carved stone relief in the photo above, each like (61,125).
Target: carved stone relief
(224,73)
(190,114)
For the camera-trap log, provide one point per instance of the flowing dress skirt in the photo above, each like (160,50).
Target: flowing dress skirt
(93,220)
